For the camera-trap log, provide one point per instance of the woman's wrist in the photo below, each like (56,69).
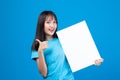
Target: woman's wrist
(40,51)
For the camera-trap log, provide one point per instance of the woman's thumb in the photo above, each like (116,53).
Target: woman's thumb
(38,40)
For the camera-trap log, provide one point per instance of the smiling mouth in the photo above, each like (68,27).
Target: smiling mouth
(51,30)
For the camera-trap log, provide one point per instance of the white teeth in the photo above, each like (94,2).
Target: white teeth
(51,30)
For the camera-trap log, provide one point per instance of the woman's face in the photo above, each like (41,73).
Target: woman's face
(50,26)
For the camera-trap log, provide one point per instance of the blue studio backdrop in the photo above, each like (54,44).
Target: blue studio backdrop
(18,20)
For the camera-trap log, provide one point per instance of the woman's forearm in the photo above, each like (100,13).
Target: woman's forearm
(42,64)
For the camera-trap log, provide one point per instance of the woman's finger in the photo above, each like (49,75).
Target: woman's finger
(97,62)
(38,40)
(45,44)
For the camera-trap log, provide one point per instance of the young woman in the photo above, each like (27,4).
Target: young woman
(48,52)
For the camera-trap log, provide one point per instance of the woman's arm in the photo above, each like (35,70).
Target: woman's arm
(41,60)
(41,64)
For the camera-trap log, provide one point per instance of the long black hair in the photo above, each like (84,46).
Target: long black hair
(40,34)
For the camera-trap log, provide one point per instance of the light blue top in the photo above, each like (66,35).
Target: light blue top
(57,64)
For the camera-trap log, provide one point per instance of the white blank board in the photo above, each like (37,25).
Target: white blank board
(78,45)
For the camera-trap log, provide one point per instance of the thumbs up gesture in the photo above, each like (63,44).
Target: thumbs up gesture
(42,45)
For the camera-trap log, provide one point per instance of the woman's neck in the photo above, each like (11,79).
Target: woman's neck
(49,37)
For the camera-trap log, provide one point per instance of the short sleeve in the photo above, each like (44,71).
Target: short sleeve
(34,55)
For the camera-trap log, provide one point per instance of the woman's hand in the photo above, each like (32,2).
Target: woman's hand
(98,62)
(42,45)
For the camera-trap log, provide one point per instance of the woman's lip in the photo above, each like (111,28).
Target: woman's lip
(51,30)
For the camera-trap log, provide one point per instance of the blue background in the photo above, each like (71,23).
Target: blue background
(18,19)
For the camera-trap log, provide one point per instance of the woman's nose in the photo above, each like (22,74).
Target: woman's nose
(52,25)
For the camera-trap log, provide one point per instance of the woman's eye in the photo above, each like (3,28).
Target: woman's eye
(54,21)
(48,22)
